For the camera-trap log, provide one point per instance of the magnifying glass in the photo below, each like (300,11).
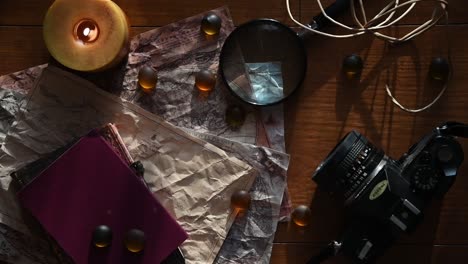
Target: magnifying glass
(263,61)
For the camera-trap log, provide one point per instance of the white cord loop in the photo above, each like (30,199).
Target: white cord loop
(373,27)
(395,101)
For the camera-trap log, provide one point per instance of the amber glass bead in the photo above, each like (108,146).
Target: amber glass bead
(301,215)
(102,236)
(135,240)
(139,168)
(240,200)
(211,24)
(147,78)
(235,116)
(352,65)
(439,69)
(205,80)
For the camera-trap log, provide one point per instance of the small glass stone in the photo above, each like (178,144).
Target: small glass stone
(235,116)
(147,78)
(139,168)
(352,65)
(439,69)
(211,24)
(240,200)
(205,80)
(135,240)
(102,236)
(301,215)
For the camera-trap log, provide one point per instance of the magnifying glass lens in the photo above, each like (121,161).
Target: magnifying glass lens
(263,62)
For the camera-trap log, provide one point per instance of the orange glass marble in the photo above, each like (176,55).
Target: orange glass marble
(211,24)
(102,236)
(439,69)
(135,240)
(240,200)
(205,81)
(235,116)
(302,215)
(147,78)
(353,65)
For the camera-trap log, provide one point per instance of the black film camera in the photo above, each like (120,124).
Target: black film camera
(386,197)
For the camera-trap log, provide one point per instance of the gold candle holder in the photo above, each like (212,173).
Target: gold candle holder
(86,35)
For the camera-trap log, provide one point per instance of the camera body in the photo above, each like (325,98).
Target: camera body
(386,197)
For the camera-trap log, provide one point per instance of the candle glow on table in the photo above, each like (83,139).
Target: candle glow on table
(86,35)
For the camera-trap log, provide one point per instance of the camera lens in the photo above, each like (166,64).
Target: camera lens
(349,166)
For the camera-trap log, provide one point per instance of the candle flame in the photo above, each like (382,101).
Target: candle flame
(86,31)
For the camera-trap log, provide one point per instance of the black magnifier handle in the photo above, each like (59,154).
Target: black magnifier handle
(319,21)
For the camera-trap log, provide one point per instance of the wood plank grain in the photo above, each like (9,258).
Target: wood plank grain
(23,47)
(421,13)
(327,107)
(20,48)
(324,109)
(439,254)
(154,12)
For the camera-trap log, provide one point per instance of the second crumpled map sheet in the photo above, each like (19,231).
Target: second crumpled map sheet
(250,239)
(194,180)
(177,52)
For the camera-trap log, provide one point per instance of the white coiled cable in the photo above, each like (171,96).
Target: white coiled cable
(373,26)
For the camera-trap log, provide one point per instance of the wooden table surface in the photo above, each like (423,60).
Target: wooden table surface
(325,108)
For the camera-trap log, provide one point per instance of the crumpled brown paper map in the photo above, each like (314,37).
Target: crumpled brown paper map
(13,88)
(20,248)
(190,177)
(250,239)
(203,114)
(179,50)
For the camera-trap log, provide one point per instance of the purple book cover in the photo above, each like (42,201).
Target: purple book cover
(90,185)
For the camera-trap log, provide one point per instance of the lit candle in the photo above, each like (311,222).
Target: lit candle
(86,31)
(86,35)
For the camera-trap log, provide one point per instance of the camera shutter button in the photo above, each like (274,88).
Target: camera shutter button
(444,154)
(426,157)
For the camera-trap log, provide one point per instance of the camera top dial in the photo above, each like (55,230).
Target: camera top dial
(424,178)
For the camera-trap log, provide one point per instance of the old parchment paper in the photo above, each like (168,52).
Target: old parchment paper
(177,52)
(182,43)
(193,179)
(250,239)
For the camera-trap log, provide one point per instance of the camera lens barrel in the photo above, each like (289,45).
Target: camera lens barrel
(348,166)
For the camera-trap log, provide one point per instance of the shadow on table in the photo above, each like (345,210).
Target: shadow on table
(330,219)
(384,63)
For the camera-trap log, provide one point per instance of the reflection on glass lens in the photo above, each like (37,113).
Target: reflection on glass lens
(263,62)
